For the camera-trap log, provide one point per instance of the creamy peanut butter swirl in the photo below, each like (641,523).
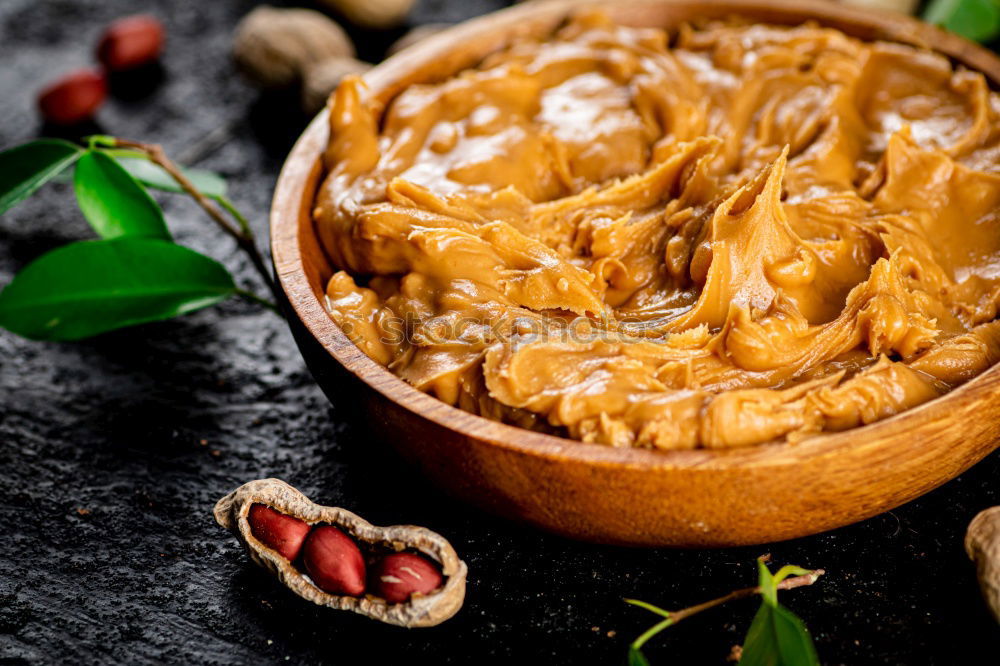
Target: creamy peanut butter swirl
(720,237)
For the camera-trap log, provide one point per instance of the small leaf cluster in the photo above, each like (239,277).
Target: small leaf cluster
(133,273)
(776,637)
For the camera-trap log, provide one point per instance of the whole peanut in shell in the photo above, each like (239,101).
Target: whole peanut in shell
(982,543)
(276,530)
(334,562)
(378,14)
(274,47)
(396,577)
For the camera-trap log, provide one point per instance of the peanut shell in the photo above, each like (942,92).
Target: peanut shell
(378,14)
(420,611)
(982,543)
(273,47)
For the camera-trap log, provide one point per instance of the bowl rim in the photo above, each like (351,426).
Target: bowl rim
(300,171)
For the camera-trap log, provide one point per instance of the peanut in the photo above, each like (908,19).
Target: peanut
(408,590)
(73,98)
(982,543)
(396,577)
(130,42)
(334,562)
(277,530)
(372,13)
(273,47)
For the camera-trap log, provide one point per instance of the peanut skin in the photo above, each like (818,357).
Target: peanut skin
(334,562)
(73,98)
(130,42)
(396,577)
(276,530)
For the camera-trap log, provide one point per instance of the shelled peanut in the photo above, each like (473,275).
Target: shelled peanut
(130,42)
(126,44)
(74,98)
(403,575)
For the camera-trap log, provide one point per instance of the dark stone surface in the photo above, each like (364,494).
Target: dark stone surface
(113,451)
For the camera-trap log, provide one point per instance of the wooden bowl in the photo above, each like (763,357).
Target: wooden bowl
(628,496)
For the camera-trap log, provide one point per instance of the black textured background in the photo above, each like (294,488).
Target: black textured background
(113,451)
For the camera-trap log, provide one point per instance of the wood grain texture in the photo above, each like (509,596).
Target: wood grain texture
(629,496)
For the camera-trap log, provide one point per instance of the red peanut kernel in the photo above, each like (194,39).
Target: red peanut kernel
(334,562)
(396,577)
(73,98)
(130,42)
(277,530)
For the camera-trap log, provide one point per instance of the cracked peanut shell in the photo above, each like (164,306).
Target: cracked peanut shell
(419,611)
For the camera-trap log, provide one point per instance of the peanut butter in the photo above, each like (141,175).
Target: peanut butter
(724,236)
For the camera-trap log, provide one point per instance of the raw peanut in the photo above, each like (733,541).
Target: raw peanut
(277,530)
(73,98)
(342,549)
(334,562)
(130,42)
(395,577)
(273,47)
(322,78)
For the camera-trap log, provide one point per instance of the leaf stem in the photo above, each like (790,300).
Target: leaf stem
(673,617)
(652,631)
(249,295)
(241,232)
(648,606)
(236,215)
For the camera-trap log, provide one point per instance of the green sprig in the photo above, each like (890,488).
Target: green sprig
(776,636)
(134,273)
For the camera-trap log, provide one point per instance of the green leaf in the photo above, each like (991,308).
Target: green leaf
(25,168)
(113,201)
(978,20)
(777,638)
(101,140)
(90,287)
(152,175)
(768,585)
(636,657)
